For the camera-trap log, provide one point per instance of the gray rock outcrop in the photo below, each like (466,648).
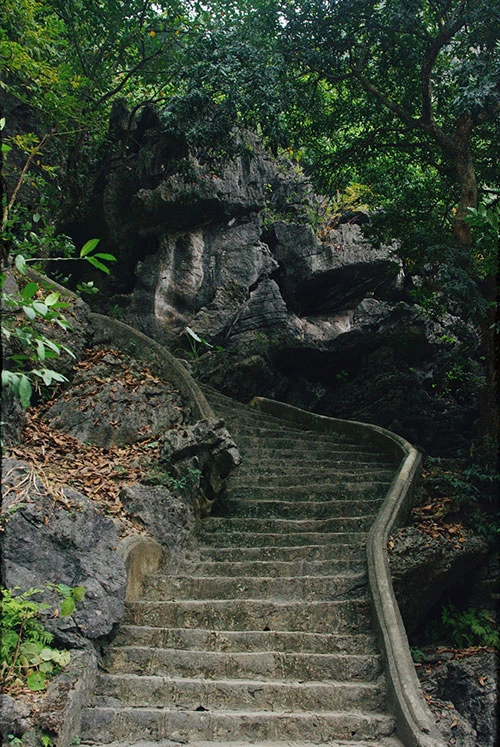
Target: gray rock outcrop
(426,569)
(296,309)
(62,537)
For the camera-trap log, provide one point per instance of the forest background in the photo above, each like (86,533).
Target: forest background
(390,107)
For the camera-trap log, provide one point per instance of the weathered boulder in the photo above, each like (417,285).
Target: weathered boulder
(332,275)
(13,418)
(306,312)
(61,537)
(426,569)
(201,456)
(469,685)
(117,400)
(14,717)
(166,511)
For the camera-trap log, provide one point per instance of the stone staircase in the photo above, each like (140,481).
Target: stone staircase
(265,636)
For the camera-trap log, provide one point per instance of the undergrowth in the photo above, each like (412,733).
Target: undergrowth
(463,628)
(27,657)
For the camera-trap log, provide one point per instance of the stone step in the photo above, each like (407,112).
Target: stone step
(334,477)
(335,547)
(275,568)
(314,510)
(298,441)
(307,469)
(379,742)
(220,524)
(127,724)
(280,539)
(257,435)
(245,640)
(238,694)
(288,450)
(252,587)
(299,467)
(342,616)
(366,490)
(246,426)
(242,665)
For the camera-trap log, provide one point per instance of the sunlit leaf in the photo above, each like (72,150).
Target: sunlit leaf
(88,247)
(36,681)
(67,607)
(25,391)
(40,307)
(20,263)
(52,298)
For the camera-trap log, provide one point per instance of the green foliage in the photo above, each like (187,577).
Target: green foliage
(464,628)
(417,654)
(25,317)
(186,483)
(198,345)
(183,484)
(485,222)
(26,655)
(355,198)
(472,485)
(30,314)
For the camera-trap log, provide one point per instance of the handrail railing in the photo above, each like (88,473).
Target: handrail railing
(415,722)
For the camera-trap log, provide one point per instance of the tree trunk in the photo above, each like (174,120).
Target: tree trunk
(466,176)
(489,420)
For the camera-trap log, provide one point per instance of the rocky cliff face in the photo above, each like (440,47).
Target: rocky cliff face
(235,250)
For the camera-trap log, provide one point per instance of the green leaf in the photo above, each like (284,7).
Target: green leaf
(48,375)
(46,654)
(31,649)
(40,350)
(52,299)
(88,247)
(67,607)
(20,263)
(46,666)
(25,391)
(64,590)
(78,592)
(36,681)
(107,257)
(30,312)
(62,658)
(40,307)
(98,265)
(29,291)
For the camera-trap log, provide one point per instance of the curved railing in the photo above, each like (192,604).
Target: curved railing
(416,727)
(415,723)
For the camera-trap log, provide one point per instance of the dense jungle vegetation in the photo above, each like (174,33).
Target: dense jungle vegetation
(394,103)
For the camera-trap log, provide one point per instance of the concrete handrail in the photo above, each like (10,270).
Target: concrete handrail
(415,723)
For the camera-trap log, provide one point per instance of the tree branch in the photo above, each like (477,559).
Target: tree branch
(128,75)
(444,36)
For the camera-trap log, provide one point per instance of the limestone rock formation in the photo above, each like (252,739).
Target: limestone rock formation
(464,697)
(62,538)
(427,569)
(308,312)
